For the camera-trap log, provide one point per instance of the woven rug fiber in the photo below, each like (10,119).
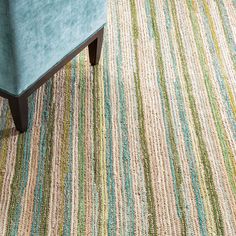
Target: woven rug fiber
(144,143)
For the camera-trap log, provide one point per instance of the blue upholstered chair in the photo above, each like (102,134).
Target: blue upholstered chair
(37,38)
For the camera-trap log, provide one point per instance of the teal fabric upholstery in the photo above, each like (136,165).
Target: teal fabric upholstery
(35,35)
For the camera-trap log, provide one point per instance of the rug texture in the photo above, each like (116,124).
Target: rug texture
(144,143)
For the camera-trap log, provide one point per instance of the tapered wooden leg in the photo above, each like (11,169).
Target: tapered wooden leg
(95,48)
(19,111)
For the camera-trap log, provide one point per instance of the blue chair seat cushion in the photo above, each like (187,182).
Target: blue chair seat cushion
(36,35)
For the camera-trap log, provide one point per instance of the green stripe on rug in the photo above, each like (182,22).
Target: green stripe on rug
(81,151)
(146,157)
(65,146)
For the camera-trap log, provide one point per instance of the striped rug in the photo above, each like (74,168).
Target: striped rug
(144,143)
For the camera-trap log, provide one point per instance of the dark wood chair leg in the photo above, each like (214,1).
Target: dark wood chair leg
(95,48)
(19,111)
